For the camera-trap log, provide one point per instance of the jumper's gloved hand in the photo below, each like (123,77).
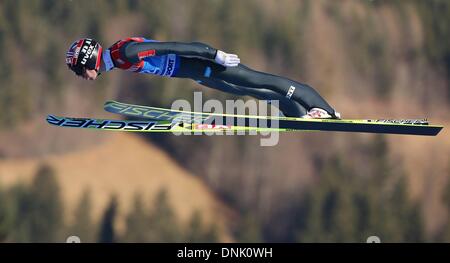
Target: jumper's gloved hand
(227,60)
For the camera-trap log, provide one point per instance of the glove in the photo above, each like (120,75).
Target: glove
(227,60)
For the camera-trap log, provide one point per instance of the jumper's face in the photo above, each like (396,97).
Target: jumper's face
(89,74)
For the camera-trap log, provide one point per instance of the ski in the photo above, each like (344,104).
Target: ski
(154,126)
(384,126)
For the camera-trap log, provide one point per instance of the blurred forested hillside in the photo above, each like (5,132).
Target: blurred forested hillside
(369,59)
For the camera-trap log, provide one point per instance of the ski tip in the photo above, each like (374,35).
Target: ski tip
(109,102)
(52,119)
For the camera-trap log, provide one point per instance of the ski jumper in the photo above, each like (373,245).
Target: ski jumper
(196,61)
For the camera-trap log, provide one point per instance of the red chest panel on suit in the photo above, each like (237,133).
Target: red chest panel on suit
(119,61)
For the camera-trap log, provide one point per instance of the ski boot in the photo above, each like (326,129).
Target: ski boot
(317,113)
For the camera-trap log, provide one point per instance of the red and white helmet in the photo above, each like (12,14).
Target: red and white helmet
(84,54)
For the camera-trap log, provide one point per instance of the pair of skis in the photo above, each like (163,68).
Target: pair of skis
(153,119)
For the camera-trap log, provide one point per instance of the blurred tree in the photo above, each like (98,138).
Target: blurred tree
(445,235)
(345,208)
(402,220)
(156,20)
(415,229)
(6,216)
(45,215)
(83,225)
(330,209)
(197,232)
(52,57)
(20,195)
(211,234)
(387,190)
(137,222)
(201,27)
(107,232)
(436,20)
(194,229)
(13,11)
(163,224)
(381,166)
(133,5)
(56,11)
(7,93)
(365,209)
(248,229)
(369,51)
(118,6)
